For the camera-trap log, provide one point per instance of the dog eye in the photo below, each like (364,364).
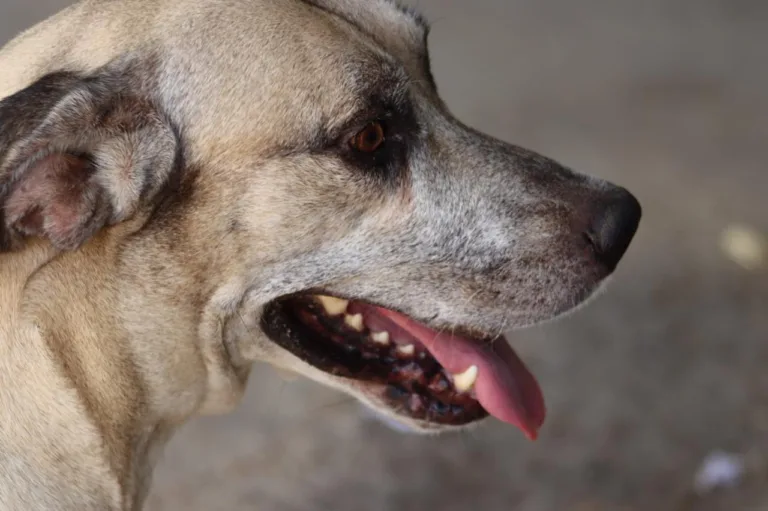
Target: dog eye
(369,139)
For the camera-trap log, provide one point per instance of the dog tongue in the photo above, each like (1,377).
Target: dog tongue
(505,387)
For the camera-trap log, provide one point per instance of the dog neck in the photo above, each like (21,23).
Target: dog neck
(117,363)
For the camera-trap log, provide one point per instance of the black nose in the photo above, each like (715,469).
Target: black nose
(614,225)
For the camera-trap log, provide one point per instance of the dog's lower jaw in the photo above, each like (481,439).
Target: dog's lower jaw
(399,425)
(389,422)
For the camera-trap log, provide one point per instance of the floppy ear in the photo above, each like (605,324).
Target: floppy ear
(78,154)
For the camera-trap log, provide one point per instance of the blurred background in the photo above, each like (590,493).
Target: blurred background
(658,390)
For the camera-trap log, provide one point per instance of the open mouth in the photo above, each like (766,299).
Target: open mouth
(439,376)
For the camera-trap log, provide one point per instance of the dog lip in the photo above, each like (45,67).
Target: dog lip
(503,385)
(401,374)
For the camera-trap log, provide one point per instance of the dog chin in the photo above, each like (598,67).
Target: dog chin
(406,426)
(388,421)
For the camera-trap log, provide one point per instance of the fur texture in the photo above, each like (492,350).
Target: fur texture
(168,167)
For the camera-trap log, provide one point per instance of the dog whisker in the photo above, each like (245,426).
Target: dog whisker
(501,330)
(331,406)
(245,325)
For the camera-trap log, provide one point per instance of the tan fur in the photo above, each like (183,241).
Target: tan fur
(149,313)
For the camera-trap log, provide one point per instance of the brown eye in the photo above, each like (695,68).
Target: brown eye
(370,139)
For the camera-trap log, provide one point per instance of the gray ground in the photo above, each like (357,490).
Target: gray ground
(669,98)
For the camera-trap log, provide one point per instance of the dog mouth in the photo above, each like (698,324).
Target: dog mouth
(445,377)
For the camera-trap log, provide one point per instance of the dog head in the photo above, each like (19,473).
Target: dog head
(296,162)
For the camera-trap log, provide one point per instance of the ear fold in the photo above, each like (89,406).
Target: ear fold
(78,154)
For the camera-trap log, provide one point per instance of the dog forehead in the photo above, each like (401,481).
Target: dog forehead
(271,73)
(400,31)
(396,27)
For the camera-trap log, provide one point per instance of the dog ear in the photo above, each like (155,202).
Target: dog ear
(78,154)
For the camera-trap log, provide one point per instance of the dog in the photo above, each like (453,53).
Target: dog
(190,186)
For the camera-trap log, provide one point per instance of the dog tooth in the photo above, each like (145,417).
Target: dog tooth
(408,350)
(332,305)
(466,380)
(354,321)
(381,338)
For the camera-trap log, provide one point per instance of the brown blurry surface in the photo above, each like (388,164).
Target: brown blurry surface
(667,97)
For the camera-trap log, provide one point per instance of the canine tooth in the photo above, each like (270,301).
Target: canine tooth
(355,321)
(332,305)
(381,338)
(408,350)
(466,380)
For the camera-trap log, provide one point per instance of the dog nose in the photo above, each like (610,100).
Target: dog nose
(613,226)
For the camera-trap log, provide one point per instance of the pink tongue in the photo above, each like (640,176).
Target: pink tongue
(505,387)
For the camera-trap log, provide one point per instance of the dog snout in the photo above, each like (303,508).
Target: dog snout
(612,226)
